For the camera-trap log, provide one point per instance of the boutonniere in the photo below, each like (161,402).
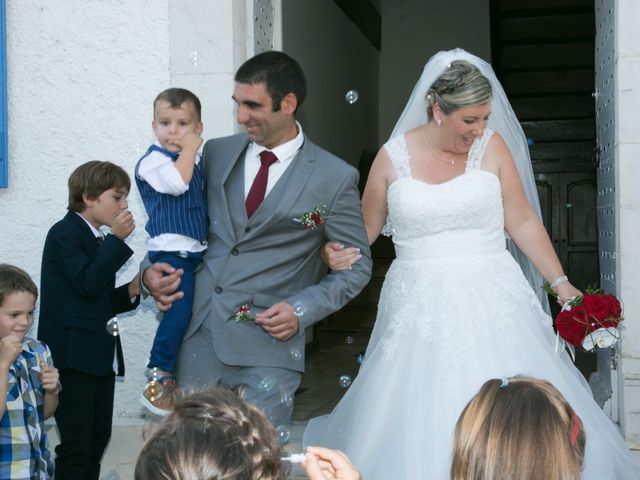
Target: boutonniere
(243,314)
(314,217)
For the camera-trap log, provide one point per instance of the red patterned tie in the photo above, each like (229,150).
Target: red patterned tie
(259,186)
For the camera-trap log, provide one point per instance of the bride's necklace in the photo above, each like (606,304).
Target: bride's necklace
(450,161)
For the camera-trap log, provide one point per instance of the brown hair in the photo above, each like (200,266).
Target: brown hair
(461,85)
(175,97)
(93,178)
(212,435)
(14,280)
(280,73)
(522,429)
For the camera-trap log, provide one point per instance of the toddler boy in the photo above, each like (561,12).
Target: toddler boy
(171,184)
(28,382)
(79,296)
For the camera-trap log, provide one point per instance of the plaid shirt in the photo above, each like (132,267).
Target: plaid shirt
(24,453)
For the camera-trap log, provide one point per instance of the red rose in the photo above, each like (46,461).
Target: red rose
(615,309)
(572,325)
(317,219)
(597,307)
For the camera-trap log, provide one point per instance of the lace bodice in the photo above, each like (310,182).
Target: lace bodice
(458,217)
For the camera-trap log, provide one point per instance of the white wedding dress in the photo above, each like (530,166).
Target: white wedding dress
(455,311)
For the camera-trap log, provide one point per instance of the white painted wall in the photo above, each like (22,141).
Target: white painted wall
(82,75)
(628,203)
(412,31)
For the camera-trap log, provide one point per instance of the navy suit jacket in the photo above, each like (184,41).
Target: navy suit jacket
(79,296)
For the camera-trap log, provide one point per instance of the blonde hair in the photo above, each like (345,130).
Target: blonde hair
(213,435)
(523,429)
(461,85)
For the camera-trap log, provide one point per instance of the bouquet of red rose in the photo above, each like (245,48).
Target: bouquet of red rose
(591,320)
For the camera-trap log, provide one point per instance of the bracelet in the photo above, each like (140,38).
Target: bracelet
(144,291)
(559,280)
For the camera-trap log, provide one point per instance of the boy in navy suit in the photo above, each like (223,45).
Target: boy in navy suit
(79,296)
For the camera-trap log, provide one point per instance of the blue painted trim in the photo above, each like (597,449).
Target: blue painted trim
(4,120)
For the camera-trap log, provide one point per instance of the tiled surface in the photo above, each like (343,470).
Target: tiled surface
(320,389)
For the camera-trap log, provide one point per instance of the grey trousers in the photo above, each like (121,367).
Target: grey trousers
(270,388)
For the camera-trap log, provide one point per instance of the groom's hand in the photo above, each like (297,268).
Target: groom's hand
(279,321)
(162,281)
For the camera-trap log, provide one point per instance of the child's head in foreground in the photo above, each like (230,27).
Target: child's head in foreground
(211,435)
(519,427)
(98,191)
(18,294)
(176,113)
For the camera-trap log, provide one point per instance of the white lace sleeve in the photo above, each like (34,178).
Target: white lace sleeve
(399,155)
(478,148)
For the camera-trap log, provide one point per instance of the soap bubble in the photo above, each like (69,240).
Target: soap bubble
(296,354)
(112,327)
(299,309)
(267,384)
(351,96)
(283,434)
(344,381)
(153,389)
(195,58)
(286,399)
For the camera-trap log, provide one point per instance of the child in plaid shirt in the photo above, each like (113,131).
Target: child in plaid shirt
(28,382)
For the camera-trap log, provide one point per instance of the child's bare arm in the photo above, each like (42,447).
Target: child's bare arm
(50,382)
(185,163)
(10,348)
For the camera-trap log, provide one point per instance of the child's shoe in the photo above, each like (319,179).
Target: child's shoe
(159,395)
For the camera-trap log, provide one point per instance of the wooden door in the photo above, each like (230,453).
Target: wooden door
(543,53)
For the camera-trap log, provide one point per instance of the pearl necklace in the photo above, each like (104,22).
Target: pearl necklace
(450,161)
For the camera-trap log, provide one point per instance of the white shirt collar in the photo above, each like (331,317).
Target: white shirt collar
(284,151)
(96,232)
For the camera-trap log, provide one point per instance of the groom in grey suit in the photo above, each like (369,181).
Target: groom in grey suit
(260,252)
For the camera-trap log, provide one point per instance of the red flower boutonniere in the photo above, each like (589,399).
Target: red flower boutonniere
(591,320)
(315,217)
(242,315)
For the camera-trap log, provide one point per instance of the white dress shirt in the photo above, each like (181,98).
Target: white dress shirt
(160,172)
(97,233)
(285,152)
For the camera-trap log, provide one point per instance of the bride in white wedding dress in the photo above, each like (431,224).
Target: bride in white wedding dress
(456,309)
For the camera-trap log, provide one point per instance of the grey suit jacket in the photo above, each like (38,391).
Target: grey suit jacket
(270,257)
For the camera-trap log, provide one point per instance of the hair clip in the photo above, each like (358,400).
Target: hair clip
(575,429)
(504,381)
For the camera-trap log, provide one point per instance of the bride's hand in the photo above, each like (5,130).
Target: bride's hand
(339,257)
(566,291)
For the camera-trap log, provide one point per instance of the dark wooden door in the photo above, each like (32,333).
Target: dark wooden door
(568,202)
(543,52)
